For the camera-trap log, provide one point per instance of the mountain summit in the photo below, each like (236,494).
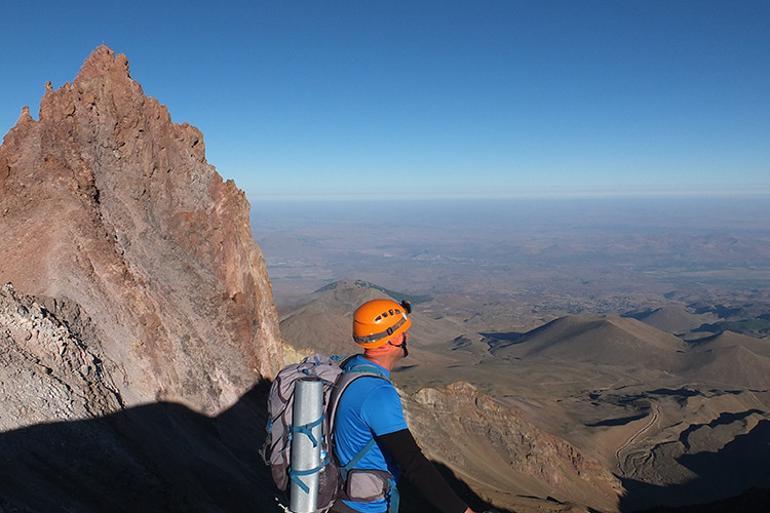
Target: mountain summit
(109,209)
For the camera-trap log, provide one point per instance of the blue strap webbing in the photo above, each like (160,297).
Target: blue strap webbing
(307,429)
(295,475)
(356,459)
(393,497)
(367,367)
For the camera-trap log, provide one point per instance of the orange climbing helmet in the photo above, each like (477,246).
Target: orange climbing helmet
(378,320)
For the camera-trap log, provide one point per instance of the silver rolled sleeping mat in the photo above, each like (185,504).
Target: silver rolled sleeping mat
(306,445)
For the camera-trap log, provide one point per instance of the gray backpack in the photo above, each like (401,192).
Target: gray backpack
(335,480)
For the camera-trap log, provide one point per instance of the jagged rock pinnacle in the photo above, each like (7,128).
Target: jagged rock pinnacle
(132,224)
(24,116)
(103,60)
(103,83)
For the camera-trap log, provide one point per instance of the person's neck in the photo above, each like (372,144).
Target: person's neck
(382,361)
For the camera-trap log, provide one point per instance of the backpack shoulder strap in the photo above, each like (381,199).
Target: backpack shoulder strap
(368,369)
(349,375)
(339,388)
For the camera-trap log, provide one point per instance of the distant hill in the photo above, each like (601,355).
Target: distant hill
(730,358)
(398,296)
(674,318)
(324,323)
(610,340)
(727,339)
(731,366)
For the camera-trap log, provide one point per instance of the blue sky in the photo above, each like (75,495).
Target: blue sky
(434,99)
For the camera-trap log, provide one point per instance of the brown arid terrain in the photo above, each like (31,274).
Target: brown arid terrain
(586,411)
(502,456)
(327,315)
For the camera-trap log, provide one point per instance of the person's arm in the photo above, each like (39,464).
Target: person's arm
(403,449)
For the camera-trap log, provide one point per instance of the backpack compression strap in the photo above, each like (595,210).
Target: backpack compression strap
(307,429)
(295,475)
(356,460)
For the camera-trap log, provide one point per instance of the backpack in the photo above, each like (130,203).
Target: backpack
(335,481)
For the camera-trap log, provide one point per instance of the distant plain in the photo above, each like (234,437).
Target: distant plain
(516,263)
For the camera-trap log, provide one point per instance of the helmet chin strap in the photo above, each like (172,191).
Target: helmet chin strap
(402,345)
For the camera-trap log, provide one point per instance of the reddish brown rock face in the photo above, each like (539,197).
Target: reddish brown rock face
(106,203)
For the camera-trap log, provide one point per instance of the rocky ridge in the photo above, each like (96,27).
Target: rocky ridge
(503,457)
(140,326)
(107,204)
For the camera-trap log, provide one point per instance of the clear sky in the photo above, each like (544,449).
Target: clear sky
(427,99)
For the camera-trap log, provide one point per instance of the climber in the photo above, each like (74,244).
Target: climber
(370,414)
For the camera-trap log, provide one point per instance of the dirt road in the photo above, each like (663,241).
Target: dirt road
(633,438)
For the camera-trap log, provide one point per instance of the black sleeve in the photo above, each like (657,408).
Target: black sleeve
(403,449)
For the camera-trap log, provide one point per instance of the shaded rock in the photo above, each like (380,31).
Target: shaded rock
(154,458)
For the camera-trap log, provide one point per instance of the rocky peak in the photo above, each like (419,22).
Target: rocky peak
(103,61)
(107,203)
(24,116)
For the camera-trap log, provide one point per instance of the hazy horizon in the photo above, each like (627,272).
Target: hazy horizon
(594,194)
(608,254)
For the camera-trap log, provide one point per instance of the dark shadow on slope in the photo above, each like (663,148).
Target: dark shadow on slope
(161,457)
(720,310)
(754,500)
(620,421)
(499,340)
(738,466)
(756,327)
(723,419)
(152,458)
